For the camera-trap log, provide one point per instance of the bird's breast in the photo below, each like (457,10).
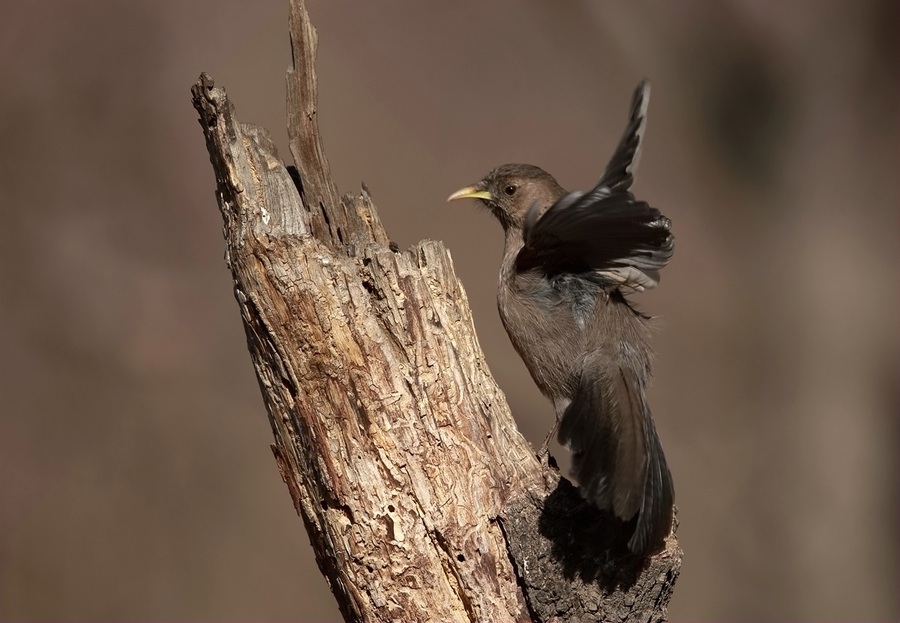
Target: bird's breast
(550,325)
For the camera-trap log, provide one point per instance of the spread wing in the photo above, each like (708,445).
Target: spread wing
(605,233)
(619,172)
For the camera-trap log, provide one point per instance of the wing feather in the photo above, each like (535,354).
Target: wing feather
(607,233)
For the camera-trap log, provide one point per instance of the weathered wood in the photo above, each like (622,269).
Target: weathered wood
(421,499)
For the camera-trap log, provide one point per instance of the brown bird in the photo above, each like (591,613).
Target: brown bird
(568,262)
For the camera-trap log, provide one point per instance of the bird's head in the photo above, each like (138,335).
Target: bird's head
(510,191)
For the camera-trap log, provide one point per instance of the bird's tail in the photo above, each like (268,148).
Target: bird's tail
(655,519)
(617,457)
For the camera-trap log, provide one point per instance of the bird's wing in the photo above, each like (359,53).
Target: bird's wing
(623,242)
(604,429)
(620,241)
(619,172)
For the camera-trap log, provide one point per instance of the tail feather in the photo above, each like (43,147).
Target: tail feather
(616,454)
(655,519)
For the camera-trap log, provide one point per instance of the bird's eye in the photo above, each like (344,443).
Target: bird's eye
(511,190)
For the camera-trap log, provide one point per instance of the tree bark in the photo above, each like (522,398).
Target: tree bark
(421,499)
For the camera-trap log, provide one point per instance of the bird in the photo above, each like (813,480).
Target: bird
(570,261)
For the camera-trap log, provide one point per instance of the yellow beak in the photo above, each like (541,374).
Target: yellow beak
(471,192)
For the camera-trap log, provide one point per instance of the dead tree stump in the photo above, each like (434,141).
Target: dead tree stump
(421,499)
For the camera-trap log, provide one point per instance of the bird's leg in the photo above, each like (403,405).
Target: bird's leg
(544,452)
(560,405)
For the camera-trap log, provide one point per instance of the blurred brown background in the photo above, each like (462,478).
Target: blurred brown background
(137,482)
